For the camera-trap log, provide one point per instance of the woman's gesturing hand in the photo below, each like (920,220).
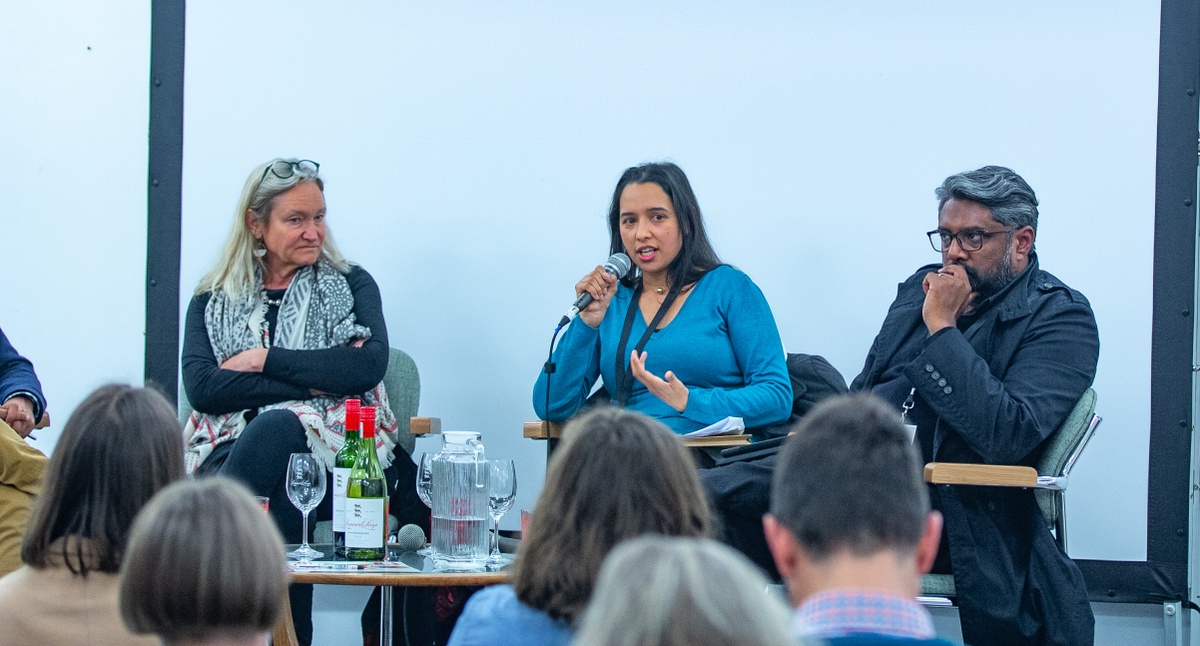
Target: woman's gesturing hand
(246,361)
(601,285)
(668,388)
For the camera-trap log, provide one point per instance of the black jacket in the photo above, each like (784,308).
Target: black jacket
(996,393)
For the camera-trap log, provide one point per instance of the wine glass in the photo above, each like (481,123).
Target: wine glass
(425,489)
(502,493)
(306,489)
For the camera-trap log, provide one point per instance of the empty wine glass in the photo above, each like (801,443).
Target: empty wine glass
(425,489)
(502,493)
(306,489)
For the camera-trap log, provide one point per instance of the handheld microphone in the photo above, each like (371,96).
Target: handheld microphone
(618,265)
(410,538)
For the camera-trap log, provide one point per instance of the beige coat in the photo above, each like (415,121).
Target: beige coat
(22,469)
(52,606)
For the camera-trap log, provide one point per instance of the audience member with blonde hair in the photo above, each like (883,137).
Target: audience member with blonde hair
(671,591)
(120,446)
(617,475)
(205,567)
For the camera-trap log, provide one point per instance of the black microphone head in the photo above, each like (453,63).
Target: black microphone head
(618,265)
(410,538)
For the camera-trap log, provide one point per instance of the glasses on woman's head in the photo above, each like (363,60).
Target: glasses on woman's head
(284,169)
(968,239)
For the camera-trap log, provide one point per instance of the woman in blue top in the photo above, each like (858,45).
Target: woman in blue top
(684,338)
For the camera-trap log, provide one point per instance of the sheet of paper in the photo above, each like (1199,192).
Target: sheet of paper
(727,426)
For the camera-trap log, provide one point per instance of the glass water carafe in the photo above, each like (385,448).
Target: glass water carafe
(460,503)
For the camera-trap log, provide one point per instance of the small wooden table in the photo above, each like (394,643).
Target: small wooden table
(427,577)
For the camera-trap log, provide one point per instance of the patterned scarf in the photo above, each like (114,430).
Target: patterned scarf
(316,313)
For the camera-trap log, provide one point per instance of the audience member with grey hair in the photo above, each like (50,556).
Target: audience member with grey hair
(205,567)
(850,525)
(673,591)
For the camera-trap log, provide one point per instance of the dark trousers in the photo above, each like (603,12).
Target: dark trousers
(259,459)
(741,494)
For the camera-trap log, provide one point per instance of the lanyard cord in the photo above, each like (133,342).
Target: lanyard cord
(624,378)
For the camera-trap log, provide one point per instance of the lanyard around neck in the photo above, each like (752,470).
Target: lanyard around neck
(624,378)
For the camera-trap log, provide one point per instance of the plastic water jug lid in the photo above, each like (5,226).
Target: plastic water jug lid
(460,437)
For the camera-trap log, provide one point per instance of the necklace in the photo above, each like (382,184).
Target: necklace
(272,302)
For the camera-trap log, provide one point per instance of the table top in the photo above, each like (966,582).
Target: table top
(541,430)
(426,577)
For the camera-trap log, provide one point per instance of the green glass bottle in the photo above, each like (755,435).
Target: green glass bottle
(343,462)
(366,499)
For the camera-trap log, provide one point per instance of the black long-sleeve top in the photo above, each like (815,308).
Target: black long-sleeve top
(287,374)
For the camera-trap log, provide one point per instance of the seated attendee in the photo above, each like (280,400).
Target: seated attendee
(22,467)
(205,567)
(851,528)
(279,335)
(616,475)
(117,449)
(987,353)
(683,338)
(680,592)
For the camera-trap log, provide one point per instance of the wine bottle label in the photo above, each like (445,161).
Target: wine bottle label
(340,479)
(365,522)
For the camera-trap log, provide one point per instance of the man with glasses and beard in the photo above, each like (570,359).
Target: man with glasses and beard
(987,354)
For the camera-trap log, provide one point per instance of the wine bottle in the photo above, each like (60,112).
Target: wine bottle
(366,499)
(343,462)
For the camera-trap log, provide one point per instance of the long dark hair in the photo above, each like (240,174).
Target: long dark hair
(586,508)
(120,446)
(696,257)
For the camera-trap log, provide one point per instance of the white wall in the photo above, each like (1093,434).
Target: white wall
(471,148)
(74,110)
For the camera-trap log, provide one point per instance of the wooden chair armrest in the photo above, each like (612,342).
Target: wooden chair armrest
(424,425)
(542,430)
(716,440)
(992,475)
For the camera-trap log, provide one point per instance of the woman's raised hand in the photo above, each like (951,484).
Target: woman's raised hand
(601,285)
(667,388)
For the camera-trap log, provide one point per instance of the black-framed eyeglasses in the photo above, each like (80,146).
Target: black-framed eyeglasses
(968,239)
(284,169)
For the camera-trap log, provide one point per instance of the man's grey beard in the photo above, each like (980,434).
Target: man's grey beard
(1003,274)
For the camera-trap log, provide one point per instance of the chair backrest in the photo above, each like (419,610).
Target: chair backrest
(403,385)
(1061,452)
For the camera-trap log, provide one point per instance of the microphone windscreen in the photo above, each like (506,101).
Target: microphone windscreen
(618,264)
(410,538)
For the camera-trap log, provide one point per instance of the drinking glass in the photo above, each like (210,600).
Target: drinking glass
(502,493)
(306,489)
(425,490)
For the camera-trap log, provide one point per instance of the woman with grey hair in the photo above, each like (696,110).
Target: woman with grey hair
(668,591)
(279,335)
